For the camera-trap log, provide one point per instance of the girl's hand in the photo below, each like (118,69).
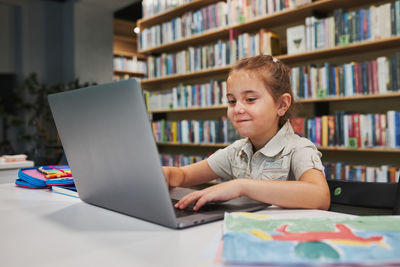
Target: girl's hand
(173,176)
(220,192)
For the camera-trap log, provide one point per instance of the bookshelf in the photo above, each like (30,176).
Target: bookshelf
(128,63)
(278,22)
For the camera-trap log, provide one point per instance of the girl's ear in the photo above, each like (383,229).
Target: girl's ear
(285,102)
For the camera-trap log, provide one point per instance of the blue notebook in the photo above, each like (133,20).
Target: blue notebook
(65,190)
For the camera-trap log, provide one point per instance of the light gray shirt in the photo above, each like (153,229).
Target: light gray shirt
(285,157)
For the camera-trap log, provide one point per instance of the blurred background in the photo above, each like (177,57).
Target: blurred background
(49,46)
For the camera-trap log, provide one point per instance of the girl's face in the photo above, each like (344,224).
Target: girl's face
(251,108)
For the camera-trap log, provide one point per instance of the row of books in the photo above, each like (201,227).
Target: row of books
(360,173)
(120,77)
(129,64)
(333,170)
(191,23)
(312,81)
(356,78)
(190,60)
(241,11)
(352,130)
(195,131)
(214,16)
(218,54)
(153,7)
(187,96)
(179,160)
(345,27)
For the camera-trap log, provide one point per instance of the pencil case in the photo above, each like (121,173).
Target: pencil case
(33,178)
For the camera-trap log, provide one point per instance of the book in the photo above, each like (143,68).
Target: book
(65,190)
(298,125)
(270,43)
(324,130)
(296,42)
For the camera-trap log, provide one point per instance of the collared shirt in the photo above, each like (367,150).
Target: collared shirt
(285,157)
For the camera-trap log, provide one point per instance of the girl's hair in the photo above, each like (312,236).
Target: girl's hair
(275,76)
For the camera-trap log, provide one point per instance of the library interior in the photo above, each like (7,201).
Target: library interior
(343,62)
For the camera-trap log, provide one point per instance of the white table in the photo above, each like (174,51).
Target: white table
(41,228)
(9,171)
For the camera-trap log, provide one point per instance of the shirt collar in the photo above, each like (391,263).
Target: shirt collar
(278,142)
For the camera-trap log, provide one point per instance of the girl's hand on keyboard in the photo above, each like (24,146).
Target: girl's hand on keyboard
(220,192)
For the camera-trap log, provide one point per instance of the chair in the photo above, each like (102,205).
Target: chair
(364,198)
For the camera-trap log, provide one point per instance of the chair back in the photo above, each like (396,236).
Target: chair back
(396,206)
(375,196)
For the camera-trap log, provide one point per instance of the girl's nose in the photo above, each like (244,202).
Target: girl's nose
(239,108)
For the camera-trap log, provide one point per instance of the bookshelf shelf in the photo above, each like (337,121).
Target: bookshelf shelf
(350,98)
(131,73)
(193,109)
(129,54)
(369,150)
(321,148)
(191,144)
(125,38)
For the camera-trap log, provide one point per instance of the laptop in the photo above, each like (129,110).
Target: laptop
(107,138)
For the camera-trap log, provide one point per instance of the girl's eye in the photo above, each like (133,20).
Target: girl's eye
(251,99)
(231,101)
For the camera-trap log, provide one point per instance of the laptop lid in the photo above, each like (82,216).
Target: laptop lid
(108,141)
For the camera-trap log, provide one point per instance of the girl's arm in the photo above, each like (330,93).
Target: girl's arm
(193,174)
(311,192)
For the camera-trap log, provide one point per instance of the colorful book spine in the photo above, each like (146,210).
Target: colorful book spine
(353,130)
(361,173)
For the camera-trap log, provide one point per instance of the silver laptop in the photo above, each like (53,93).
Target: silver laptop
(108,141)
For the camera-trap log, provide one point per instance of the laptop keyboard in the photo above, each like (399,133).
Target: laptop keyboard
(189,209)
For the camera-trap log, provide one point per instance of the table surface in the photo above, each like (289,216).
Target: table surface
(42,228)
(16,164)
(9,171)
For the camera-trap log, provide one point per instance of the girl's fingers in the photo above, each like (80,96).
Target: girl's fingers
(187,200)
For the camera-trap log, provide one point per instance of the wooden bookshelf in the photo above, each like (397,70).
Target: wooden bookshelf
(282,19)
(125,45)
(288,16)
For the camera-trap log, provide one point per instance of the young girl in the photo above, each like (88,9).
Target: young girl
(271,164)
